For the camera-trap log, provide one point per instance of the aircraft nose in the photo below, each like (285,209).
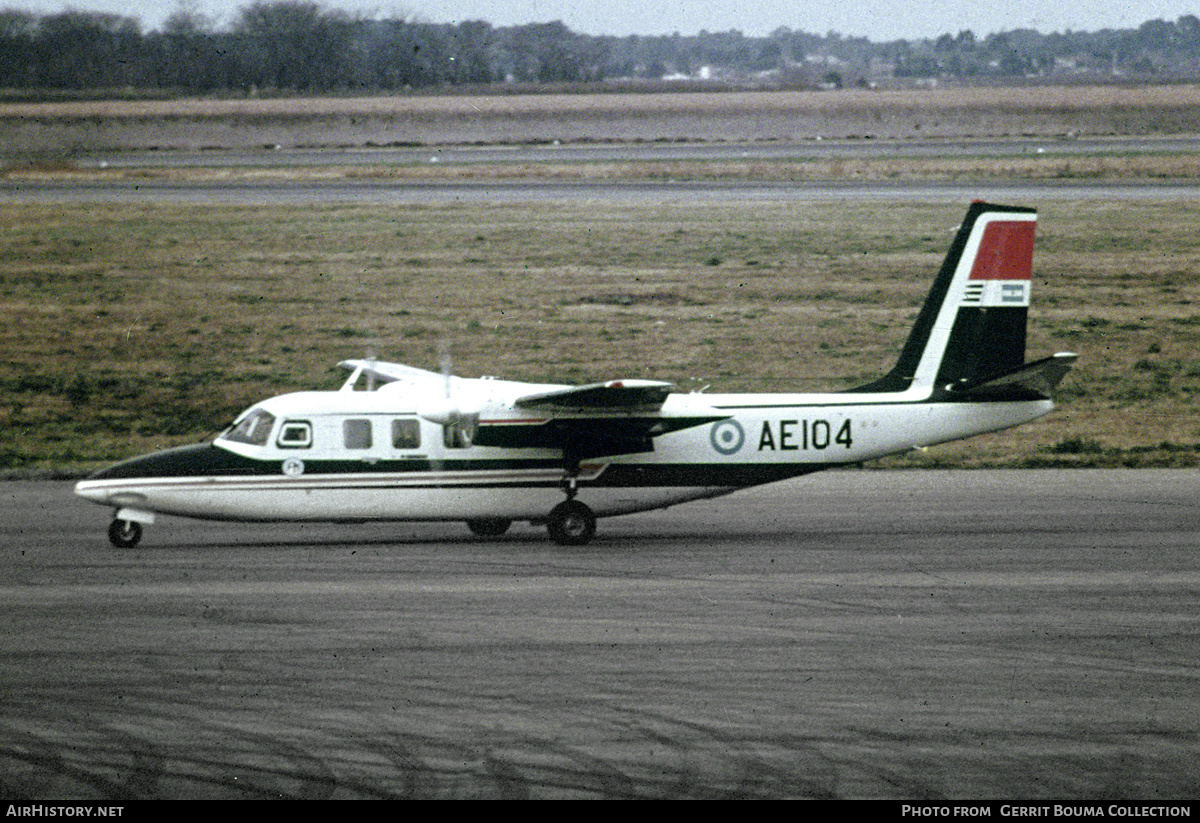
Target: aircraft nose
(109,485)
(88,490)
(182,461)
(113,484)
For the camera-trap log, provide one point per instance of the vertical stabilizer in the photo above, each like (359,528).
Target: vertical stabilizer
(972,326)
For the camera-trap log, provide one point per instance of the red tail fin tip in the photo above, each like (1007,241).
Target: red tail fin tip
(1005,252)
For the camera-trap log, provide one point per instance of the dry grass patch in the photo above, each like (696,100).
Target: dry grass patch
(945,112)
(992,100)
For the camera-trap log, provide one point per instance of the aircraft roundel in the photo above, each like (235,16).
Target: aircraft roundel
(727,436)
(293,467)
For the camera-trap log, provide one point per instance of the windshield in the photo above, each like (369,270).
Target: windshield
(254,428)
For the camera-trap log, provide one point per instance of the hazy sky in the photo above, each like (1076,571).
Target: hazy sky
(879,22)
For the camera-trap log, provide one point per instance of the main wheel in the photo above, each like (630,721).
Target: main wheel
(571,523)
(489,526)
(124,534)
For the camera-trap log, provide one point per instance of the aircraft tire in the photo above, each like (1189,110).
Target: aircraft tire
(571,523)
(124,534)
(489,526)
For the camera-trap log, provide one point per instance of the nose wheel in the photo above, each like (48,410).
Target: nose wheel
(124,534)
(571,523)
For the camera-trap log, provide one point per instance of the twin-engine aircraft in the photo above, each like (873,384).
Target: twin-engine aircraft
(418,445)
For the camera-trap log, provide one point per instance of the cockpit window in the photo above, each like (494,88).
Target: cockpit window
(254,428)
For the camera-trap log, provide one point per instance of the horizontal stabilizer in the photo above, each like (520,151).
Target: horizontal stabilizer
(613,396)
(1033,381)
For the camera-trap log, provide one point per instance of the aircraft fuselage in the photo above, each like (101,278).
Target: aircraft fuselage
(347,456)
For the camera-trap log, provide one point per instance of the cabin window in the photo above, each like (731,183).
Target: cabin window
(295,434)
(254,428)
(357,434)
(406,433)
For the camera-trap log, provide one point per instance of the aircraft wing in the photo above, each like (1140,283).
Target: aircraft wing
(613,396)
(597,420)
(581,438)
(392,372)
(1033,381)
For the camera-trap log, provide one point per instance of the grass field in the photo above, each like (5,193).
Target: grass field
(125,328)
(943,112)
(1144,166)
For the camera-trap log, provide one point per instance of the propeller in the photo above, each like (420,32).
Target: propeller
(457,414)
(446,363)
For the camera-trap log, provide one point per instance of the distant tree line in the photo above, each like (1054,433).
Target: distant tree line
(301,47)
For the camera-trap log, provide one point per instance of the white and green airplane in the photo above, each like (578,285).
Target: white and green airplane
(416,445)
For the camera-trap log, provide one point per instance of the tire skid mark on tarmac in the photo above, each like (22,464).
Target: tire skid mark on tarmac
(88,760)
(72,757)
(31,767)
(715,764)
(553,766)
(639,754)
(301,774)
(150,750)
(661,758)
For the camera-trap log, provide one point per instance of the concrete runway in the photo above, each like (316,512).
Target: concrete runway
(906,635)
(617,152)
(364,192)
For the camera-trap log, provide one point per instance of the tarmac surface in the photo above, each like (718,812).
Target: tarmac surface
(858,634)
(619,152)
(368,192)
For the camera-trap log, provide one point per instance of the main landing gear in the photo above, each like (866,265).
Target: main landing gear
(571,523)
(489,526)
(124,534)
